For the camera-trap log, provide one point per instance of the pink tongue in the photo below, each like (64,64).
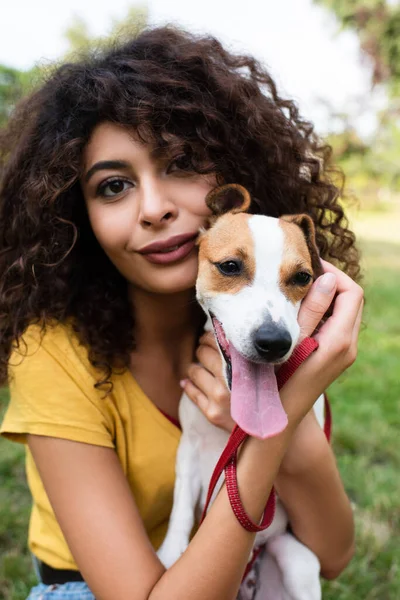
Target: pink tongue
(255,403)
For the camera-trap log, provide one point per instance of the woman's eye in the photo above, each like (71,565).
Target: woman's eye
(230,267)
(113,187)
(180,163)
(301,278)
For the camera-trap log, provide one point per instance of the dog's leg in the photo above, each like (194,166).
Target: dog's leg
(319,410)
(186,497)
(299,568)
(264,582)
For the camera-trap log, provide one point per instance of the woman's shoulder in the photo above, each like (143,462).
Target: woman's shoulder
(52,389)
(54,340)
(52,355)
(57,334)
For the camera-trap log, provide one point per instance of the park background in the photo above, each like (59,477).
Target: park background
(340,61)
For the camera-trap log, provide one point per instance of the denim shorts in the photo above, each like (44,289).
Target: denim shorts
(75,590)
(78,590)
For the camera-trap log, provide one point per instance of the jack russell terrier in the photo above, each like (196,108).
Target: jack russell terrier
(254,271)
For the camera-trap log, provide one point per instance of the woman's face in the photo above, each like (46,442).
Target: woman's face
(135,200)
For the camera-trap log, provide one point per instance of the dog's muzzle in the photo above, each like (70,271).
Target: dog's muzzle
(272,341)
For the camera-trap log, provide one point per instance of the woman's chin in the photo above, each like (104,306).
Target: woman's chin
(170,280)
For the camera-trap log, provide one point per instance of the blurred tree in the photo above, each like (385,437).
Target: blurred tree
(377,24)
(14,84)
(372,168)
(10,91)
(80,39)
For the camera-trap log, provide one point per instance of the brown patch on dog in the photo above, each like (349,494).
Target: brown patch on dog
(296,257)
(228,239)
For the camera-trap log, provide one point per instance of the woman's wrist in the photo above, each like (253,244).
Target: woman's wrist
(306,444)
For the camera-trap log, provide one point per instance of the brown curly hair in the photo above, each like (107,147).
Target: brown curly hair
(172,88)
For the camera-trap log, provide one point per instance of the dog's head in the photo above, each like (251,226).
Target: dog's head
(254,272)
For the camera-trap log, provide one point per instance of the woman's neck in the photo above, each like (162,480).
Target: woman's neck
(165,322)
(166,333)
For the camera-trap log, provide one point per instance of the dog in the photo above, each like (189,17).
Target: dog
(253,273)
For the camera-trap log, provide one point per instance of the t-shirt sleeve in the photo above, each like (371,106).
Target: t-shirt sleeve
(53,394)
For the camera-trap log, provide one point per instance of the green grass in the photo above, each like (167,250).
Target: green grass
(365,404)
(16,576)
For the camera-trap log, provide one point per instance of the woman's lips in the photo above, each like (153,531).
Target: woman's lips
(177,252)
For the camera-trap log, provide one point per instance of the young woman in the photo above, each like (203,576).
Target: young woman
(111,155)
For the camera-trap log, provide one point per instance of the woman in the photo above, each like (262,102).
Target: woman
(111,155)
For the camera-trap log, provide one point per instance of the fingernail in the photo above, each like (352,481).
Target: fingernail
(183,382)
(327,283)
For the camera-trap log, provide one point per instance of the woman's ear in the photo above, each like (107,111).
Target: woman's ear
(307,226)
(231,197)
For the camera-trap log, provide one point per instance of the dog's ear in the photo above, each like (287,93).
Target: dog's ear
(231,197)
(307,226)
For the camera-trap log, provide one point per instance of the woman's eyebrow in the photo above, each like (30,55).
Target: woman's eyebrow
(104,165)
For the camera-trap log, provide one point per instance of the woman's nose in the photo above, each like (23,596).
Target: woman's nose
(156,205)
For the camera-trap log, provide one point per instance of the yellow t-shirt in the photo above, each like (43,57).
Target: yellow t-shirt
(52,394)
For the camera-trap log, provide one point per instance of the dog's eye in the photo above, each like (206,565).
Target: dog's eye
(230,267)
(301,278)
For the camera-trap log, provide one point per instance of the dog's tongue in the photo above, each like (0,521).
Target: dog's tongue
(255,403)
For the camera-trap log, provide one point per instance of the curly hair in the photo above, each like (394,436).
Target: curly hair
(172,88)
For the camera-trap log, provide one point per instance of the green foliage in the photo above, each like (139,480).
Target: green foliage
(15,84)
(366,423)
(81,40)
(12,85)
(16,573)
(372,169)
(377,24)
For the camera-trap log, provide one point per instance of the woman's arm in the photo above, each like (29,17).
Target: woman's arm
(98,516)
(308,482)
(310,487)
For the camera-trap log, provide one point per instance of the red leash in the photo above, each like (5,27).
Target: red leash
(228,457)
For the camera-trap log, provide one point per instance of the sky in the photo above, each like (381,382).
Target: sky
(298,41)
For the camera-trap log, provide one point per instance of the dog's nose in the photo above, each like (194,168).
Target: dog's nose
(272,342)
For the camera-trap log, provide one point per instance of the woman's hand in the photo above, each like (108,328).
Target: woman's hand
(206,385)
(337,338)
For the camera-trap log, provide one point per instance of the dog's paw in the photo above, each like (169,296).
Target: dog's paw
(299,566)
(171,550)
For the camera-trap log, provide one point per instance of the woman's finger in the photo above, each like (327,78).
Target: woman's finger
(211,359)
(196,396)
(357,323)
(212,387)
(316,303)
(201,378)
(345,311)
(356,330)
(208,339)
(210,395)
